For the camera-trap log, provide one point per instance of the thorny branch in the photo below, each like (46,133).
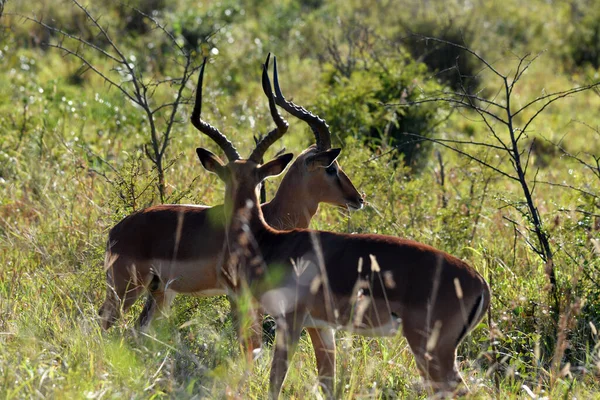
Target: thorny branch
(498,111)
(133,85)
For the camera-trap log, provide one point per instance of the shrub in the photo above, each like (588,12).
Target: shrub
(583,43)
(452,65)
(355,105)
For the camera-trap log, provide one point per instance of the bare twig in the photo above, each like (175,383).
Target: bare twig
(499,110)
(132,84)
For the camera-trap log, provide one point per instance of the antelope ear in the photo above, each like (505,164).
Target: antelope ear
(212,163)
(274,167)
(323,159)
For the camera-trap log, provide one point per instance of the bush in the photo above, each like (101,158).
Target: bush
(197,26)
(133,14)
(355,105)
(452,65)
(583,43)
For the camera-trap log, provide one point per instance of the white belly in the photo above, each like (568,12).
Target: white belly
(195,277)
(388,329)
(209,293)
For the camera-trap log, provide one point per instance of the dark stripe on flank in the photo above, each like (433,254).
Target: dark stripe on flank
(472,316)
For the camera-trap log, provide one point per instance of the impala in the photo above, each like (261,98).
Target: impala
(366,284)
(171,249)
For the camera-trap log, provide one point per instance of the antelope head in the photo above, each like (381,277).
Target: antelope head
(316,168)
(239,172)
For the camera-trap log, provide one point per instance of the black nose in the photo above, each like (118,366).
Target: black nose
(361,200)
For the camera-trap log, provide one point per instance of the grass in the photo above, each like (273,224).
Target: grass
(59,132)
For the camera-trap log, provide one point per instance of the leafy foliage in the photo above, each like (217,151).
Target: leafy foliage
(63,129)
(583,42)
(356,104)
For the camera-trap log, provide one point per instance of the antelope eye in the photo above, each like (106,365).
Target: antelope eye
(331,170)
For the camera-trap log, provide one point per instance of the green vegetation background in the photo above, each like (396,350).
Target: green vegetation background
(72,165)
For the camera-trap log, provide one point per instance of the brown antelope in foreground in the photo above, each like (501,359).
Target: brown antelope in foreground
(366,284)
(169,249)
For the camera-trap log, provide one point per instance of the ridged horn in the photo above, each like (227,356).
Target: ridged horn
(317,124)
(206,128)
(281,124)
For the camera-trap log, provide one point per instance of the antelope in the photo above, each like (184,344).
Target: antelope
(363,283)
(170,249)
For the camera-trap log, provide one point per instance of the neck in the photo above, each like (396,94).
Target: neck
(246,228)
(292,207)
(247,215)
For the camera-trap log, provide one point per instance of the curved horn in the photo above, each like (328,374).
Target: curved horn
(282,125)
(318,125)
(209,130)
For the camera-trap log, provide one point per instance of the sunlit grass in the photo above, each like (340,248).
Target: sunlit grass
(56,210)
